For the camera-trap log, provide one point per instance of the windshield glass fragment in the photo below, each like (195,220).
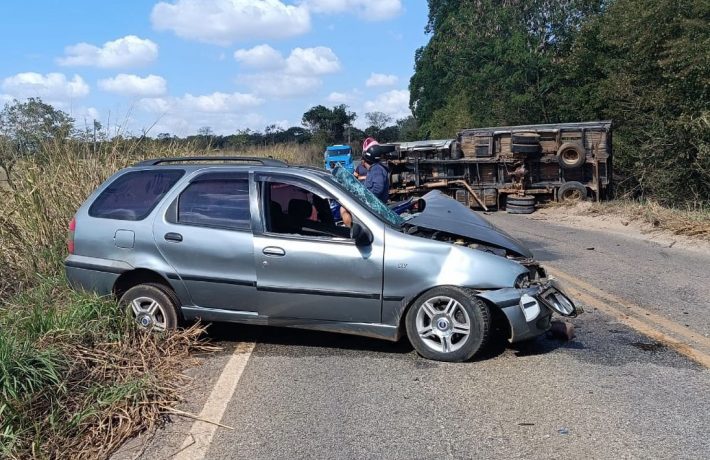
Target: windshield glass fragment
(365,197)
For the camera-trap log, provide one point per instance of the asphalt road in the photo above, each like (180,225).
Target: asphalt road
(609,393)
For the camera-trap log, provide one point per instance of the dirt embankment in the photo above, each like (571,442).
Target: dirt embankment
(650,222)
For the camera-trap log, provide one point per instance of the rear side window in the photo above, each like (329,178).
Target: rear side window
(133,195)
(222,203)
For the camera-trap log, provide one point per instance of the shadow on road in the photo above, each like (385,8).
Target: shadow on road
(317,342)
(223,332)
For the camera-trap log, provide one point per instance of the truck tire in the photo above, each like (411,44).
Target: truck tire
(448,323)
(525,138)
(571,156)
(515,209)
(515,200)
(572,191)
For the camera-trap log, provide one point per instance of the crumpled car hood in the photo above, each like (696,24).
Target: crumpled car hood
(445,214)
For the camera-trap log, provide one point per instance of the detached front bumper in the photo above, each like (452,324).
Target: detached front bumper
(529,310)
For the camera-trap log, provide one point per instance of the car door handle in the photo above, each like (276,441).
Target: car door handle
(176,237)
(273,251)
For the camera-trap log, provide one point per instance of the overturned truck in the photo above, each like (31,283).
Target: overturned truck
(510,167)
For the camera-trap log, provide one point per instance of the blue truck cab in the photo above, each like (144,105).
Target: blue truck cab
(339,154)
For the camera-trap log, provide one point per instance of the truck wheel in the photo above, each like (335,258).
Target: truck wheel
(526,200)
(514,209)
(153,306)
(448,323)
(572,191)
(525,138)
(525,148)
(571,156)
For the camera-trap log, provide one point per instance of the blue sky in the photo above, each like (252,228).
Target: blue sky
(229,64)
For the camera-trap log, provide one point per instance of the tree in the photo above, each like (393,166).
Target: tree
(642,64)
(645,65)
(502,57)
(205,131)
(27,127)
(378,120)
(328,125)
(408,129)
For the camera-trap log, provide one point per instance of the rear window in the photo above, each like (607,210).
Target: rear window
(133,195)
(222,202)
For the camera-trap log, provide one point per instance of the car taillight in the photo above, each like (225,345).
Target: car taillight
(70,237)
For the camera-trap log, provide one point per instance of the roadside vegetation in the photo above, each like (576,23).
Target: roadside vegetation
(692,222)
(76,379)
(644,65)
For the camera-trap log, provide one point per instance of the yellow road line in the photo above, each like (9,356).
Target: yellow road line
(198,441)
(687,342)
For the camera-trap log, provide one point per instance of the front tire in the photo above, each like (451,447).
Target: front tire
(153,307)
(448,324)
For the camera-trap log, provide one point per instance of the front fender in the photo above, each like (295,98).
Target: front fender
(413,265)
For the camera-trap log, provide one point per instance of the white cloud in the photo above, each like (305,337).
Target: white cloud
(320,60)
(380,79)
(85,116)
(184,124)
(371,10)
(339,98)
(296,75)
(312,61)
(128,51)
(261,57)
(345,97)
(224,21)
(210,103)
(394,103)
(225,113)
(281,85)
(133,85)
(53,88)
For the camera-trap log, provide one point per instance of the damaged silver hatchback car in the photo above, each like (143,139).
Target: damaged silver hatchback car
(256,241)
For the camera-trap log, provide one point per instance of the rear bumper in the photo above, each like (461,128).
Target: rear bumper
(529,311)
(93,275)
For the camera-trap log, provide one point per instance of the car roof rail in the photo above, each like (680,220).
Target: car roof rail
(257,160)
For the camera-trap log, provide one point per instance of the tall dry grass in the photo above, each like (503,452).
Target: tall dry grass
(48,188)
(76,378)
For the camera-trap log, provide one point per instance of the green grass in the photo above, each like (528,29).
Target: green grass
(76,378)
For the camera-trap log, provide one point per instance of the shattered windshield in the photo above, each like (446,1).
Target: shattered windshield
(365,197)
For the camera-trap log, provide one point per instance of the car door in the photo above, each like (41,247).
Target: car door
(306,267)
(205,234)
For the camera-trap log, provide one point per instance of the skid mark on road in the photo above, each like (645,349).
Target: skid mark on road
(200,437)
(683,340)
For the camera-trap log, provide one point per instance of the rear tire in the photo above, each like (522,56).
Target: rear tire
(571,192)
(515,200)
(448,323)
(513,209)
(153,306)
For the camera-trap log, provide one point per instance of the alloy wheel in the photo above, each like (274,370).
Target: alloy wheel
(148,314)
(443,324)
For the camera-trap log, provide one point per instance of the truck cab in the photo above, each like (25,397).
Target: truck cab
(339,155)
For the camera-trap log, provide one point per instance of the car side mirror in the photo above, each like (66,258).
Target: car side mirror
(361,234)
